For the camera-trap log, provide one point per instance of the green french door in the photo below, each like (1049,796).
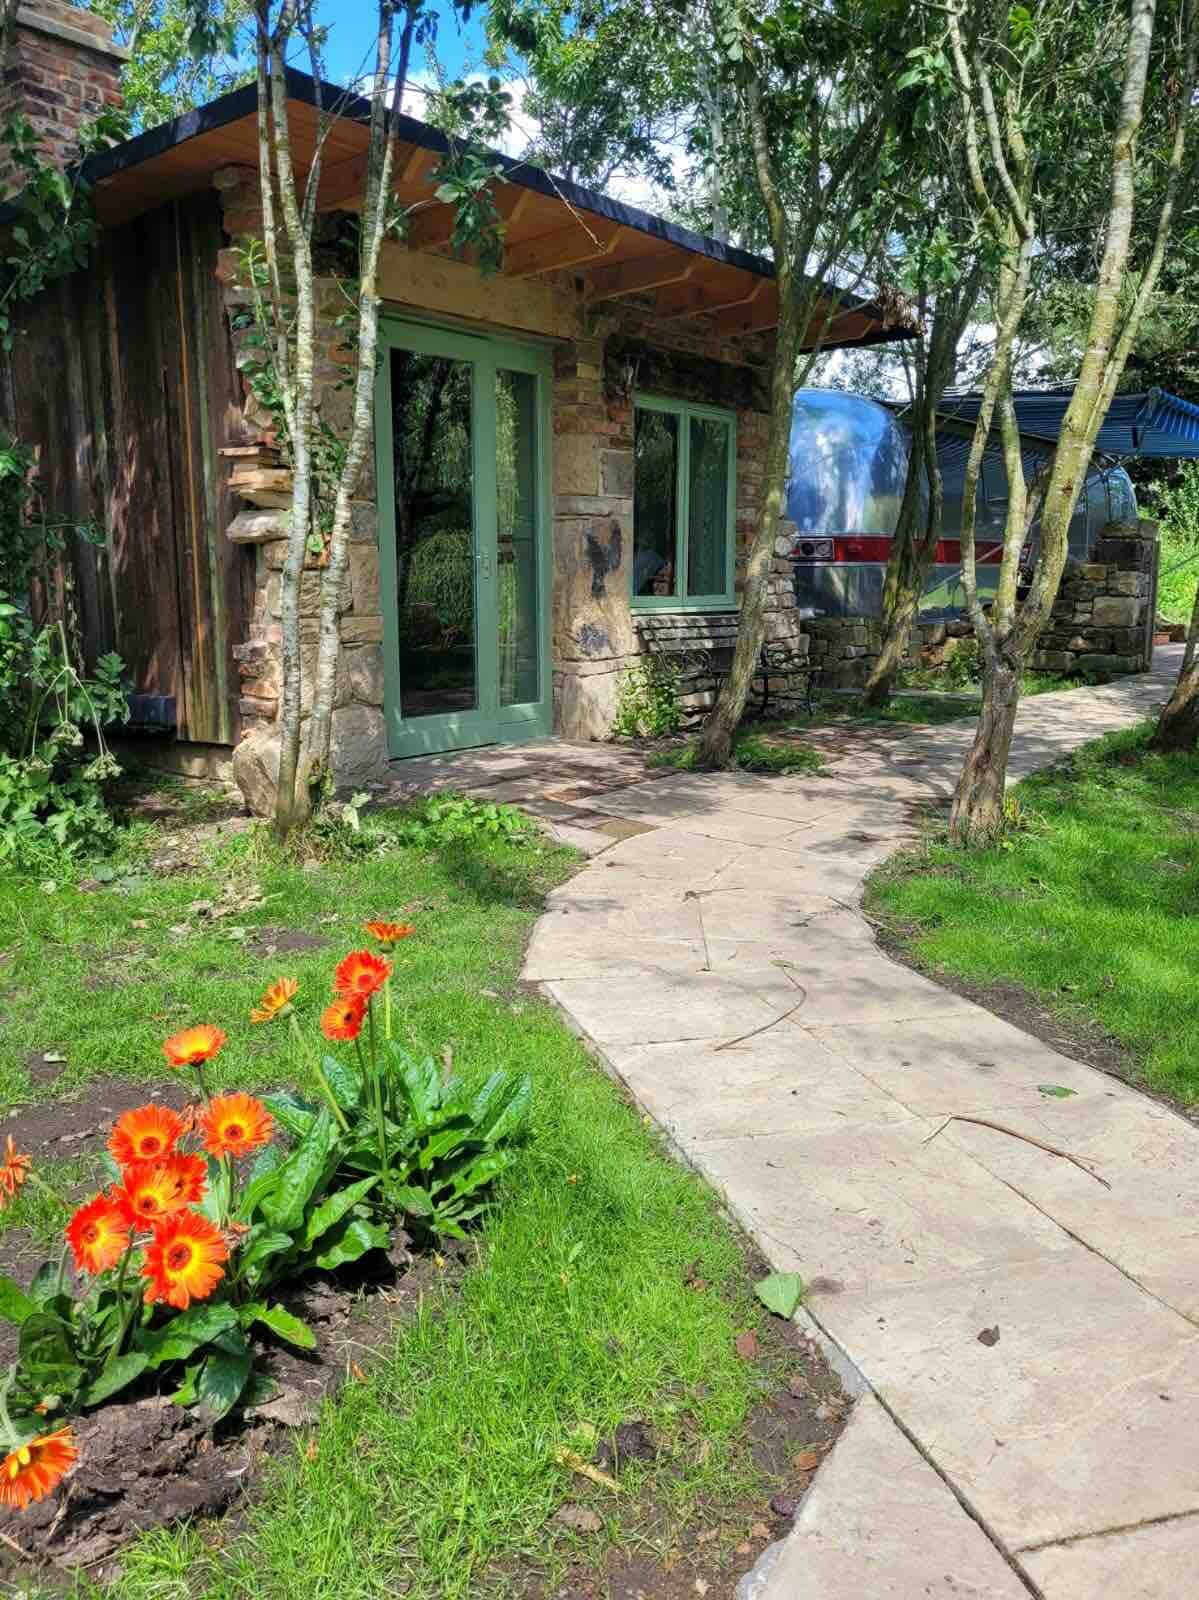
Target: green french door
(460,424)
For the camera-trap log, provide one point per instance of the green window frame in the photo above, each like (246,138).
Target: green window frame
(685,413)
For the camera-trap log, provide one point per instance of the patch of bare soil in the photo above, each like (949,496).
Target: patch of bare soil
(144,1462)
(77,1127)
(786,1436)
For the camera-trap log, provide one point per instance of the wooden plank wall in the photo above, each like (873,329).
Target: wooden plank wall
(123,377)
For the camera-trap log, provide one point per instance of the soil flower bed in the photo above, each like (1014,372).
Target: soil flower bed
(169,1277)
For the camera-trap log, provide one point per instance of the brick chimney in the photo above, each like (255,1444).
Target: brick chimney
(63,69)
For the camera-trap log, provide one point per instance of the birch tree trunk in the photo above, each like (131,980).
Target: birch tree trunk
(292,800)
(716,741)
(915,543)
(1178,726)
(977,812)
(380,161)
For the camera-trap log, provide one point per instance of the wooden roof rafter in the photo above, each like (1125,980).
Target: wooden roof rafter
(551,225)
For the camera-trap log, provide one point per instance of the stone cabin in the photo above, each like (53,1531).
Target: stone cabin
(568,461)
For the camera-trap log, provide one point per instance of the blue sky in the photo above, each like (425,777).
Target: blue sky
(351,25)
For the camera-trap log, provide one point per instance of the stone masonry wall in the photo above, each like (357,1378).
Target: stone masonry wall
(63,70)
(597,635)
(1101,621)
(359,739)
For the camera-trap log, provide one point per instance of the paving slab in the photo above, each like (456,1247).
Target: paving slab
(972,1062)
(1080,1415)
(777,1083)
(661,1006)
(1159,1562)
(879,1524)
(866,1207)
(1146,1221)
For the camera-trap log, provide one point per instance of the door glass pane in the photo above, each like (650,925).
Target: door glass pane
(708,519)
(516,519)
(655,493)
(432,432)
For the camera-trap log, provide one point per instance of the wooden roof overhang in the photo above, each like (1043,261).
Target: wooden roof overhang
(616,250)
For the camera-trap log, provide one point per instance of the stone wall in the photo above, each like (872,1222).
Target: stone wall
(63,70)
(1102,621)
(359,736)
(596,632)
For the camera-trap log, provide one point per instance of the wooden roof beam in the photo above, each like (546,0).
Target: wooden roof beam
(702,299)
(639,276)
(755,316)
(571,246)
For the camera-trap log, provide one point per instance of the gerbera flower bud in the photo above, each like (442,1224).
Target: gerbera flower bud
(98,1235)
(235,1124)
(362,973)
(185,1260)
(146,1134)
(276,999)
(389,933)
(32,1470)
(343,1019)
(193,1046)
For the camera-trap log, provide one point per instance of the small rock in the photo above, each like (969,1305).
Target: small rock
(989,1336)
(581,1518)
(783,1506)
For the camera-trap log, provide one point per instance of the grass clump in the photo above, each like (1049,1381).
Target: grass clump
(777,752)
(1092,903)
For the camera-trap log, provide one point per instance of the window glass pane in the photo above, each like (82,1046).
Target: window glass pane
(708,530)
(432,430)
(655,503)
(516,516)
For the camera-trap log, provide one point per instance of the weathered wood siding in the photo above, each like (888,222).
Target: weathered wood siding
(123,377)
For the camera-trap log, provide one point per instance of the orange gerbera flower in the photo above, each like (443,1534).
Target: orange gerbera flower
(14,1169)
(185,1260)
(343,1019)
(235,1124)
(31,1470)
(389,933)
(147,1134)
(278,996)
(193,1045)
(152,1190)
(98,1235)
(362,973)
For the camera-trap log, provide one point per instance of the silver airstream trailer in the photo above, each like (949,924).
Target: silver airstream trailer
(848,463)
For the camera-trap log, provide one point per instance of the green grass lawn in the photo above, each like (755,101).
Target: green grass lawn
(1093,904)
(604,1285)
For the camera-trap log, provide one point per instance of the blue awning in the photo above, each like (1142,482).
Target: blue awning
(1149,425)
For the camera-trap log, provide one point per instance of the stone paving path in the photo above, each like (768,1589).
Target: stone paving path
(1030,1338)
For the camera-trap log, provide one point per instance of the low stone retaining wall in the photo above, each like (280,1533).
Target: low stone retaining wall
(1102,621)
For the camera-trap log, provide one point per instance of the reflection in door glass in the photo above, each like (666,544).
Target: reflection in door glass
(432,437)
(516,516)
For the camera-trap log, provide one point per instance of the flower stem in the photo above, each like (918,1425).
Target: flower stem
(318,1073)
(130,1303)
(387,1008)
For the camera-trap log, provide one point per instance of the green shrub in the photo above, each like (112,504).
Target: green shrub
(51,783)
(647,701)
